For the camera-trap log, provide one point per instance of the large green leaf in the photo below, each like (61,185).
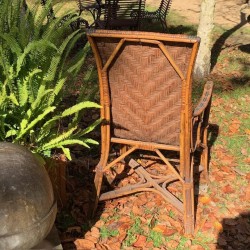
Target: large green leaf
(31,124)
(76,108)
(54,142)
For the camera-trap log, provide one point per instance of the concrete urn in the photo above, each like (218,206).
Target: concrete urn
(27,204)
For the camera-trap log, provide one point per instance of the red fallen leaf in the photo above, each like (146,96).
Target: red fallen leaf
(159,228)
(125,219)
(84,244)
(169,231)
(212,246)
(91,238)
(141,241)
(124,226)
(95,231)
(247,195)
(142,200)
(196,247)
(172,189)
(207,226)
(115,246)
(231,177)
(122,236)
(218,178)
(248,175)
(228,189)
(150,244)
(172,244)
(99,246)
(226,169)
(244,151)
(137,210)
(174,223)
(99,223)
(234,128)
(247,160)
(217,102)
(215,199)
(159,201)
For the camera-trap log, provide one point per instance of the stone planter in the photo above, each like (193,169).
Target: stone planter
(27,204)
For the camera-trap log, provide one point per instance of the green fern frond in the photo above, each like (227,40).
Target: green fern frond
(56,91)
(76,108)
(13,99)
(91,141)
(34,45)
(34,122)
(32,86)
(55,141)
(40,96)
(66,151)
(10,133)
(90,128)
(57,59)
(23,91)
(77,61)
(12,43)
(47,128)
(72,142)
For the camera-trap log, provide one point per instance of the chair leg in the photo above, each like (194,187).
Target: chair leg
(188,202)
(204,155)
(98,184)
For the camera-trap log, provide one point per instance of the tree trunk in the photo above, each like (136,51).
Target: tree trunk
(206,24)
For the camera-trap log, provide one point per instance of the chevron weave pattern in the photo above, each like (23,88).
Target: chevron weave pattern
(145,90)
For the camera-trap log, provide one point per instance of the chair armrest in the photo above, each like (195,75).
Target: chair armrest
(205,99)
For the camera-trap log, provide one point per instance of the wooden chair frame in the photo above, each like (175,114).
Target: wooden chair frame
(189,142)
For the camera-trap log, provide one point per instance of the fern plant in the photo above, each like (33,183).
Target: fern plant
(36,65)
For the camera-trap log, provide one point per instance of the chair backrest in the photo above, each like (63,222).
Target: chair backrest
(145,77)
(164,7)
(121,10)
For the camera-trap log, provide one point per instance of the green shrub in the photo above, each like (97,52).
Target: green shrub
(36,64)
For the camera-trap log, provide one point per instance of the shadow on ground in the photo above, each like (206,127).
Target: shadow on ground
(235,234)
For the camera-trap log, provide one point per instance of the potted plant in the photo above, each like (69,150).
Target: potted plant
(36,67)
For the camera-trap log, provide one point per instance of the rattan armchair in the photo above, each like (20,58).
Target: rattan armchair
(145,92)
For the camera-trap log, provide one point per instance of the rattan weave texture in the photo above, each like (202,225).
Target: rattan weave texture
(145,90)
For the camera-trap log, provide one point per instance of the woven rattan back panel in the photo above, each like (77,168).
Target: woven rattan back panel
(145,89)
